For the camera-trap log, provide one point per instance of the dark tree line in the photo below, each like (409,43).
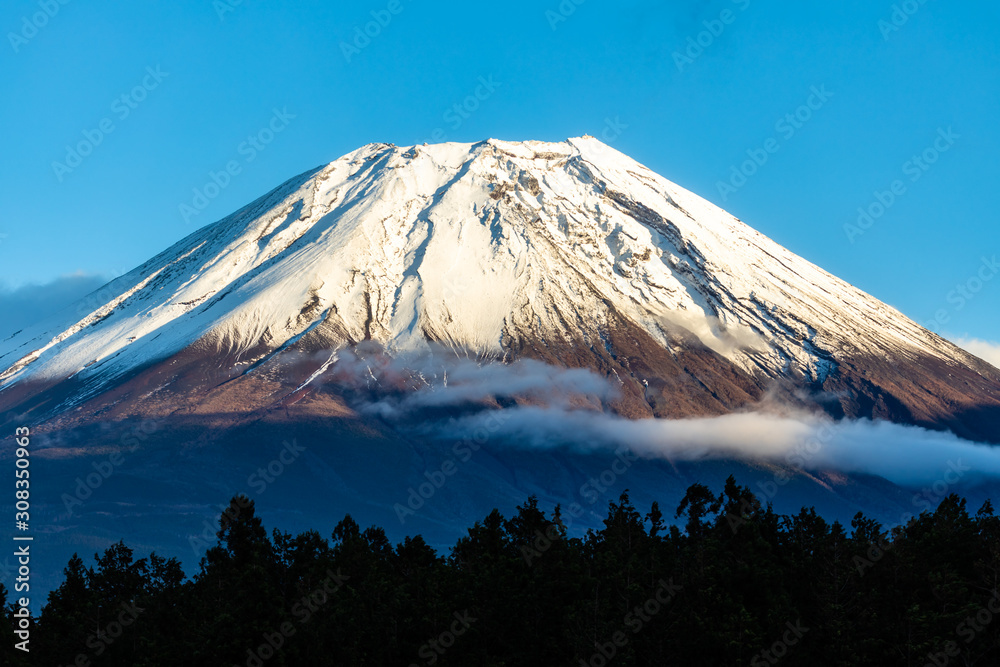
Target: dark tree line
(732,583)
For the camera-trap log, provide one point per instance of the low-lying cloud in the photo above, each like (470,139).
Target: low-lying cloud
(566,408)
(905,455)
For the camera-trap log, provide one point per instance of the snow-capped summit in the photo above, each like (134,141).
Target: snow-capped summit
(568,252)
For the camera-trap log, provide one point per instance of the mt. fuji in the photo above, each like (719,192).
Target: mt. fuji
(567,253)
(417,335)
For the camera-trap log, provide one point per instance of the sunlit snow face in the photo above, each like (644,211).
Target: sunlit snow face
(472,244)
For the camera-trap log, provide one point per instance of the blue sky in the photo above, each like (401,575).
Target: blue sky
(867,90)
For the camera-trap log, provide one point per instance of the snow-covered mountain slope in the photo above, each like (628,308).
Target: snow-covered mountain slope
(569,252)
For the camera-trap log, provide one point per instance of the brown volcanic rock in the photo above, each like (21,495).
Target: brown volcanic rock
(927,392)
(652,380)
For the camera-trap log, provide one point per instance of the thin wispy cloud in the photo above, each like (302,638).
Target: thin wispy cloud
(410,383)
